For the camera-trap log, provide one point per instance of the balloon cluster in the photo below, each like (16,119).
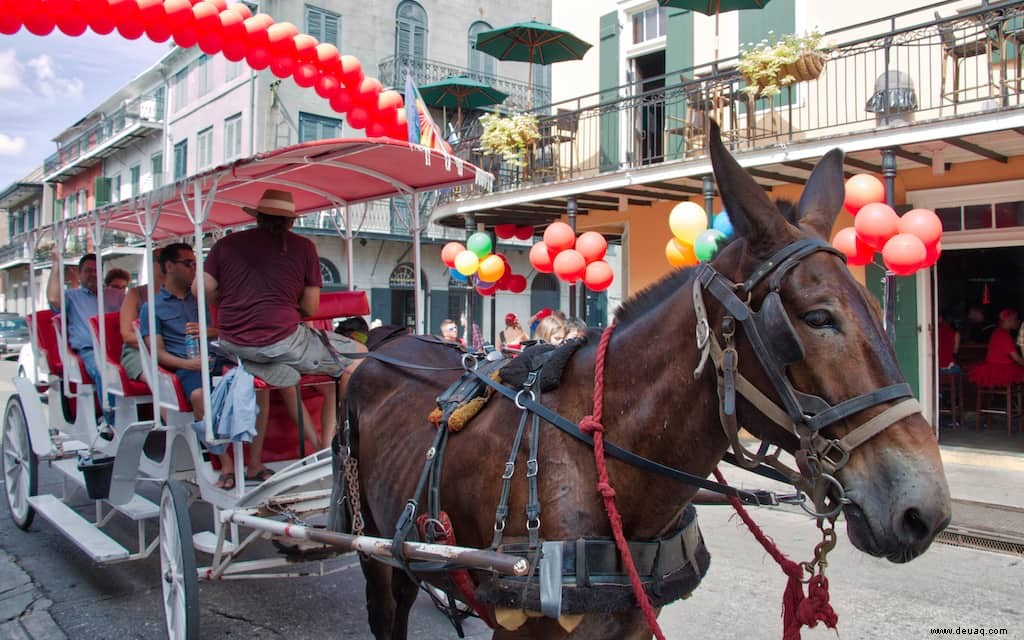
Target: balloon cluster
(217,27)
(571,258)
(694,242)
(909,242)
(474,262)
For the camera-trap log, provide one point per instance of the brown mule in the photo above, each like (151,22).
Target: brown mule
(894,493)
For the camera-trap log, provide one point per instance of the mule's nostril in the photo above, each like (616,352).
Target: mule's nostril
(917,529)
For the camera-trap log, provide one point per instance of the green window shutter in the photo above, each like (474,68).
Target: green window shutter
(438,310)
(101,191)
(331,30)
(315,23)
(905,321)
(608,81)
(380,304)
(778,17)
(678,58)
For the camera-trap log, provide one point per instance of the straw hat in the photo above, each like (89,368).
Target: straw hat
(274,202)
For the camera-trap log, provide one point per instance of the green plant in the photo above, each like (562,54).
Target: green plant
(774,63)
(509,137)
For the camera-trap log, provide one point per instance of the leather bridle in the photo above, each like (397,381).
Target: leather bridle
(777,345)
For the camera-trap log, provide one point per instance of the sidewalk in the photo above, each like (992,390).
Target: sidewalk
(24,612)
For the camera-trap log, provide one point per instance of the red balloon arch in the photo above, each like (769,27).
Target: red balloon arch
(232,30)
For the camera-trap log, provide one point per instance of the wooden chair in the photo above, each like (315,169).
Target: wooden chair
(1003,400)
(980,40)
(951,388)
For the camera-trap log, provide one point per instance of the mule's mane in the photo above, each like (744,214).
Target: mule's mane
(651,296)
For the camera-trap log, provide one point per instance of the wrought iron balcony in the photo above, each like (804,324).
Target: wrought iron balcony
(906,69)
(135,118)
(391,71)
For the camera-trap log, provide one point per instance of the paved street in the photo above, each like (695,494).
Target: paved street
(48,589)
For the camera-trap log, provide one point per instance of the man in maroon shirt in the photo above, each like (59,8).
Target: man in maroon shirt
(264,281)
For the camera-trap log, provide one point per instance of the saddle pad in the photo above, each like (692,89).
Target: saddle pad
(549,359)
(466,397)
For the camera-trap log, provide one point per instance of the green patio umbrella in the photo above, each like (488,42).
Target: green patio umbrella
(461,91)
(714,8)
(533,42)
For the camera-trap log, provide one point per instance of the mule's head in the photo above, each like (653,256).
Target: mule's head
(898,499)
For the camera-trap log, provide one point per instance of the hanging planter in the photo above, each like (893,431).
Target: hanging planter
(511,137)
(773,65)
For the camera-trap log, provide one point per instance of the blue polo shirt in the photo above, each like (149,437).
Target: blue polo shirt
(172,313)
(83,304)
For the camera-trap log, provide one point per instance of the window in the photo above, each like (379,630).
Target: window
(180,89)
(204,148)
(233,137)
(134,175)
(410,31)
(323,25)
(156,167)
(314,127)
(480,62)
(233,69)
(181,160)
(203,73)
(649,24)
(115,188)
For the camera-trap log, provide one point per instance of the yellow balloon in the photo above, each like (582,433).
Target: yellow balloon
(687,220)
(466,262)
(491,269)
(680,254)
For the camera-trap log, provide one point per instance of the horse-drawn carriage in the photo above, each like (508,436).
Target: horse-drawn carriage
(774,335)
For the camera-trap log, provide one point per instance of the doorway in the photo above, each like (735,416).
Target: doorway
(649,118)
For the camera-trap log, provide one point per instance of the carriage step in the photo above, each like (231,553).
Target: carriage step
(138,508)
(206,541)
(99,546)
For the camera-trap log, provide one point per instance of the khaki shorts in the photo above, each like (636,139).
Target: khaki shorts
(304,351)
(131,361)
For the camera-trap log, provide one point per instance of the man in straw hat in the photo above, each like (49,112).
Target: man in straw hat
(264,281)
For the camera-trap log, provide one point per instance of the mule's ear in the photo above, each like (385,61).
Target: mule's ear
(823,196)
(752,214)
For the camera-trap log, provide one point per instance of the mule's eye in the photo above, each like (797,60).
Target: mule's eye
(819,319)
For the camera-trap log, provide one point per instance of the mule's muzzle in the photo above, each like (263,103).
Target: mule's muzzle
(910,535)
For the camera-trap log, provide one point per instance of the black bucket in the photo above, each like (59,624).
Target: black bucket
(97,473)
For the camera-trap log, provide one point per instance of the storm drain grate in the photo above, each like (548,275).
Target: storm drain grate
(981,541)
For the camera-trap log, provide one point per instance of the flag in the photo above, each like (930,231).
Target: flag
(422,128)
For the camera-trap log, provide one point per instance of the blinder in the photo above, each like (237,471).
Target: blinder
(773,322)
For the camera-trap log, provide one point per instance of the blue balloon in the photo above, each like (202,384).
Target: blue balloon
(458,276)
(723,223)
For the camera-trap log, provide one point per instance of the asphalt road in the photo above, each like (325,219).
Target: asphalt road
(740,598)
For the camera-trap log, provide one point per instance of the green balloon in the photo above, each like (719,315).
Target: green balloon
(479,243)
(706,245)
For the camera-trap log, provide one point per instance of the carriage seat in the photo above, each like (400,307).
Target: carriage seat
(72,364)
(172,396)
(46,337)
(116,381)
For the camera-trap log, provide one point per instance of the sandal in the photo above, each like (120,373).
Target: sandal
(260,476)
(226,481)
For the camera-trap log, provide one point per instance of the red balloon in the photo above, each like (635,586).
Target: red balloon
(10,23)
(211,42)
(598,276)
(160,32)
(505,231)
(152,12)
(305,47)
(281,36)
(931,255)
(131,29)
(524,232)
(185,36)
(863,189)
(282,66)
(388,100)
(306,75)
(904,254)
(327,86)
(234,48)
(517,283)
(341,101)
(358,117)
(39,23)
(449,251)
(255,28)
(401,126)
(367,92)
(351,71)
(592,246)
(177,12)
(541,259)
(559,236)
(221,5)
(327,58)
(489,291)
(205,16)
(71,24)
(875,223)
(570,265)
(55,8)
(241,9)
(923,223)
(258,58)
(376,129)
(857,253)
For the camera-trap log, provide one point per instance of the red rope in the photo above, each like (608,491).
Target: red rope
(798,611)
(592,425)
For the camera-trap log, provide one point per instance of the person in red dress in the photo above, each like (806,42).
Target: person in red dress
(1003,364)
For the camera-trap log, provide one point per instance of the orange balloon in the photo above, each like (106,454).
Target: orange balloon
(857,253)
(904,254)
(924,224)
(598,276)
(491,268)
(680,254)
(931,255)
(559,236)
(875,223)
(863,189)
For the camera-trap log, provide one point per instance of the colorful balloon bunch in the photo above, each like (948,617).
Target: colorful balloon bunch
(694,242)
(573,259)
(474,262)
(217,27)
(909,242)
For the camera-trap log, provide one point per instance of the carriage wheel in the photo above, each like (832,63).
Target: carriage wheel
(178,564)
(20,465)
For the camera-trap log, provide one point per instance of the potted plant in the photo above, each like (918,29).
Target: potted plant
(773,64)
(509,137)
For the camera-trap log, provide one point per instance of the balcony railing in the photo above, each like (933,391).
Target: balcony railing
(143,109)
(16,251)
(391,71)
(906,68)
(379,218)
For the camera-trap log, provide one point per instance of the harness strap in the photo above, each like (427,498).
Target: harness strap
(532,499)
(501,513)
(879,423)
(380,357)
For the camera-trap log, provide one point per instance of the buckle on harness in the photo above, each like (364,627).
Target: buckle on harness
(834,447)
(510,468)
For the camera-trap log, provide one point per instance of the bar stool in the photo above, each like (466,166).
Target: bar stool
(951,387)
(1002,399)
